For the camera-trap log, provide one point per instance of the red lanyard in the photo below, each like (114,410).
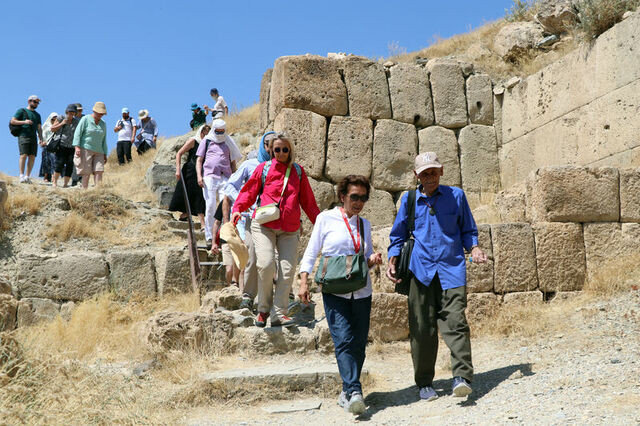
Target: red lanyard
(356,245)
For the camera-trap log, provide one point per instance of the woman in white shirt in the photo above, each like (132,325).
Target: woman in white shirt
(347,314)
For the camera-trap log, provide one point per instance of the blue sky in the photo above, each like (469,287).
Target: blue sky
(164,55)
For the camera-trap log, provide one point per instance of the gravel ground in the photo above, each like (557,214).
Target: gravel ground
(587,374)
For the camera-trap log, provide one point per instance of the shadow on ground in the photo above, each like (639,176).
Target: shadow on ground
(483,383)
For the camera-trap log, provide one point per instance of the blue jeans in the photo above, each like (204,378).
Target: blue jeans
(349,326)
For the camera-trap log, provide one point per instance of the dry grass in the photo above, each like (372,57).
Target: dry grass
(73,226)
(127,181)
(244,121)
(617,276)
(28,202)
(597,16)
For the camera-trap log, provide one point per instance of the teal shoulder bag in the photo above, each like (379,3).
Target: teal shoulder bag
(347,273)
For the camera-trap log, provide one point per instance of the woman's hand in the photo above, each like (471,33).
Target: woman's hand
(235,217)
(303,292)
(391,270)
(178,175)
(215,249)
(200,182)
(375,259)
(78,151)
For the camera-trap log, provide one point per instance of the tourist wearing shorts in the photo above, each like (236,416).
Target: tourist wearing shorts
(217,156)
(126,130)
(220,108)
(283,233)
(66,126)
(30,133)
(90,142)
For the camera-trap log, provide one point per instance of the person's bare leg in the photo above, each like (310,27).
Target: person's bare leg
(66,181)
(228,274)
(201,217)
(22,161)
(54,179)
(97,178)
(30,162)
(85,181)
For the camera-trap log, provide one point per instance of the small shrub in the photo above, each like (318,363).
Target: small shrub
(597,16)
(521,10)
(99,203)
(24,202)
(73,226)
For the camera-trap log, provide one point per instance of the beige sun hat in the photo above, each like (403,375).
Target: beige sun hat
(100,108)
(143,113)
(239,250)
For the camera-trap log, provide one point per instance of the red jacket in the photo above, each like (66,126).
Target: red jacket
(298,193)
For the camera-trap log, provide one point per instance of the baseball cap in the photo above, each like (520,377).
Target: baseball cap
(33,98)
(426,160)
(125,110)
(71,108)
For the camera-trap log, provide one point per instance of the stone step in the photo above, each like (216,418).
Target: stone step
(183,233)
(176,224)
(292,377)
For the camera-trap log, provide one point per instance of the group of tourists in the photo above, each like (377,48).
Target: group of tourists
(74,145)
(264,198)
(199,115)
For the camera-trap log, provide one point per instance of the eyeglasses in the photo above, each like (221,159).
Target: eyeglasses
(284,150)
(219,131)
(356,197)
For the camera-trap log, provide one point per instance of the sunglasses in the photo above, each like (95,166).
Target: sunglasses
(35,102)
(284,150)
(356,197)
(219,131)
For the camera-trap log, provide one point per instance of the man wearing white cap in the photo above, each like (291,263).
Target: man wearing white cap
(31,123)
(436,285)
(126,129)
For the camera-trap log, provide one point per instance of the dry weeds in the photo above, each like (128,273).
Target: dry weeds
(244,121)
(28,202)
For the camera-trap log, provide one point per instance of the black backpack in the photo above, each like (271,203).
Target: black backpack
(16,129)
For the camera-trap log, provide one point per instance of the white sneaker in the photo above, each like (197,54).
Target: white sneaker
(356,403)
(343,401)
(22,179)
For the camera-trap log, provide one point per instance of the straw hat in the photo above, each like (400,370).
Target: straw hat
(100,108)
(239,250)
(143,113)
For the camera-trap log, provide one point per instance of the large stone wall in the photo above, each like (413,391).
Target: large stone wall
(349,115)
(581,110)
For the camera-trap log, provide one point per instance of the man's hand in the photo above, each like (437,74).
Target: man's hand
(43,143)
(391,270)
(78,151)
(28,122)
(374,259)
(477,255)
(303,292)
(215,249)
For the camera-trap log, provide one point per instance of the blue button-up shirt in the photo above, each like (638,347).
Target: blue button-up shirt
(439,238)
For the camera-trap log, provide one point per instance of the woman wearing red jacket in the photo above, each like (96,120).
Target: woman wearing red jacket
(282,233)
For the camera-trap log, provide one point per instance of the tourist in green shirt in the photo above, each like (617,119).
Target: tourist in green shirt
(90,142)
(199,117)
(31,123)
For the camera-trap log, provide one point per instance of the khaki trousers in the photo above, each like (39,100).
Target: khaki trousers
(266,241)
(251,270)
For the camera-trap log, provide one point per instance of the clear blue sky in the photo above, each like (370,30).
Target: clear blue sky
(163,55)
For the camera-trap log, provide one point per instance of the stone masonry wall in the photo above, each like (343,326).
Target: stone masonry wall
(349,115)
(581,110)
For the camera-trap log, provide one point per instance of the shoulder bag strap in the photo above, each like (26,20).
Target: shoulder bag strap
(284,184)
(362,235)
(411,200)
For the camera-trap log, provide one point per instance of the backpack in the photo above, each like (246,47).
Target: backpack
(265,171)
(16,129)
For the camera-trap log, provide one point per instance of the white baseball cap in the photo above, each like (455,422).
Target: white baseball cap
(426,160)
(125,110)
(33,98)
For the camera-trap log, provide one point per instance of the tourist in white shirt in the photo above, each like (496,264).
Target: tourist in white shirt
(347,314)
(126,130)
(220,109)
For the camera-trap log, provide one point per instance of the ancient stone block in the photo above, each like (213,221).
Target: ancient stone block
(324,192)
(68,276)
(265,88)
(349,147)
(380,209)
(324,342)
(480,99)
(66,310)
(165,194)
(443,142)
(379,281)
(311,83)
(159,175)
(8,311)
(481,305)
(228,298)
(560,256)
(274,340)
(187,330)
(573,194)
(410,95)
(173,274)
(510,206)
(394,149)
(449,102)
(479,164)
(34,310)
(389,317)
(523,298)
(556,16)
(367,88)
(497,117)
(515,257)
(132,272)
(307,131)
(166,154)
(611,250)
(480,275)
(5,286)
(629,195)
